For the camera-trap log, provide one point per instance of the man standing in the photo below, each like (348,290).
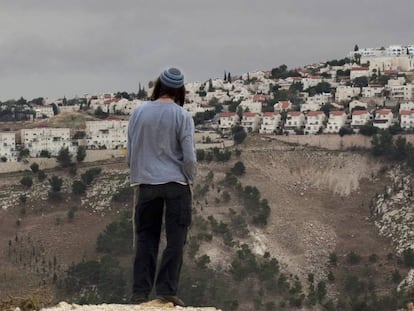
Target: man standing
(162,161)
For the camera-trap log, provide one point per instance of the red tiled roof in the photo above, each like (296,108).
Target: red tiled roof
(314,113)
(249,114)
(406,112)
(260,97)
(227,114)
(384,111)
(359,68)
(270,114)
(294,113)
(390,72)
(284,104)
(359,112)
(337,112)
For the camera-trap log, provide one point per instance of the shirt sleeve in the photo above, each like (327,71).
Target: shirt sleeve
(188,147)
(128,155)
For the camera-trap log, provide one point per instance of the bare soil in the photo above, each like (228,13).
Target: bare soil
(319,203)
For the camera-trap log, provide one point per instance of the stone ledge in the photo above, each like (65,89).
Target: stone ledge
(149,306)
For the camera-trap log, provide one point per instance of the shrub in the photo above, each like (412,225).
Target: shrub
(72,170)
(408,257)
(123,194)
(34,167)
(333,259)
(238,169)
(71,214)
(373,258)
(353,258)
(41,175)
(239,134)
(26,181)
(90,175)
(78,187)
(56,183)
(45,154)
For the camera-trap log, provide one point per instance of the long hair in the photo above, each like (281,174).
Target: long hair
(178,95)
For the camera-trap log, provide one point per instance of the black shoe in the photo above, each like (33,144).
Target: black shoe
(171,298)
(136,299)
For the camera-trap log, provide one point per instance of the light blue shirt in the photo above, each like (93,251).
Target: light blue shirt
(160,146)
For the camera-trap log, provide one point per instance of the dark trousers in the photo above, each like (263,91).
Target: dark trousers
(149,211)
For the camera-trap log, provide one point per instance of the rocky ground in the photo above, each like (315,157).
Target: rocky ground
(321,202)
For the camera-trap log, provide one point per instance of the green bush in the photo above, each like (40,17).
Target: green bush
(117,237)
(78,187)
(26,181)
(123,194)
(353,258)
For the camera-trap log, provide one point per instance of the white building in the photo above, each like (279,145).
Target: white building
(344,92)
(250,121)
(295,121)
(251,106)
(107,134)
(71,108)
(314,122)
(407,106)
(356,103)
(311,81)
(43,112)
(407,119)
(373,90)
(312,106)
(359,72)
(270,122)
(8,147)
(337,119)
(383,118)
(401,92)
(360,118)
(50,139)
(227,120)
(282,106)
(194,108)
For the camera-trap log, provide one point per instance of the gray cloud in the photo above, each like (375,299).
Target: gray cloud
(55,47)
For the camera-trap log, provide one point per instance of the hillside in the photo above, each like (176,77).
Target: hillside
(320,204)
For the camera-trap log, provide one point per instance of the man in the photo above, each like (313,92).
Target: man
(162,161)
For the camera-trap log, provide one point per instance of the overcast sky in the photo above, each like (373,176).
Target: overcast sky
(56,48)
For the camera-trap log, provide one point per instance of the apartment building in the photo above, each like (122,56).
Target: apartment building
(407,106)
(337,119)
(250,121)
(383,118)
(344,92)
(359,72)
(360,118)
(107,134)
(8,147)
(282,106)
(407,119)
(270,122)
(314,122)
(227,120)
(50,139)
(43,111)
(251,106)
(295,121)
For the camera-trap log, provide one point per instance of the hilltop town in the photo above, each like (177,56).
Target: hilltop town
(367,90)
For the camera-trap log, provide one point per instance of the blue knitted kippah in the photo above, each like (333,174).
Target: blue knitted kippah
(172,77)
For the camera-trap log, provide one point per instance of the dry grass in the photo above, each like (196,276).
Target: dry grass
(40,298)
